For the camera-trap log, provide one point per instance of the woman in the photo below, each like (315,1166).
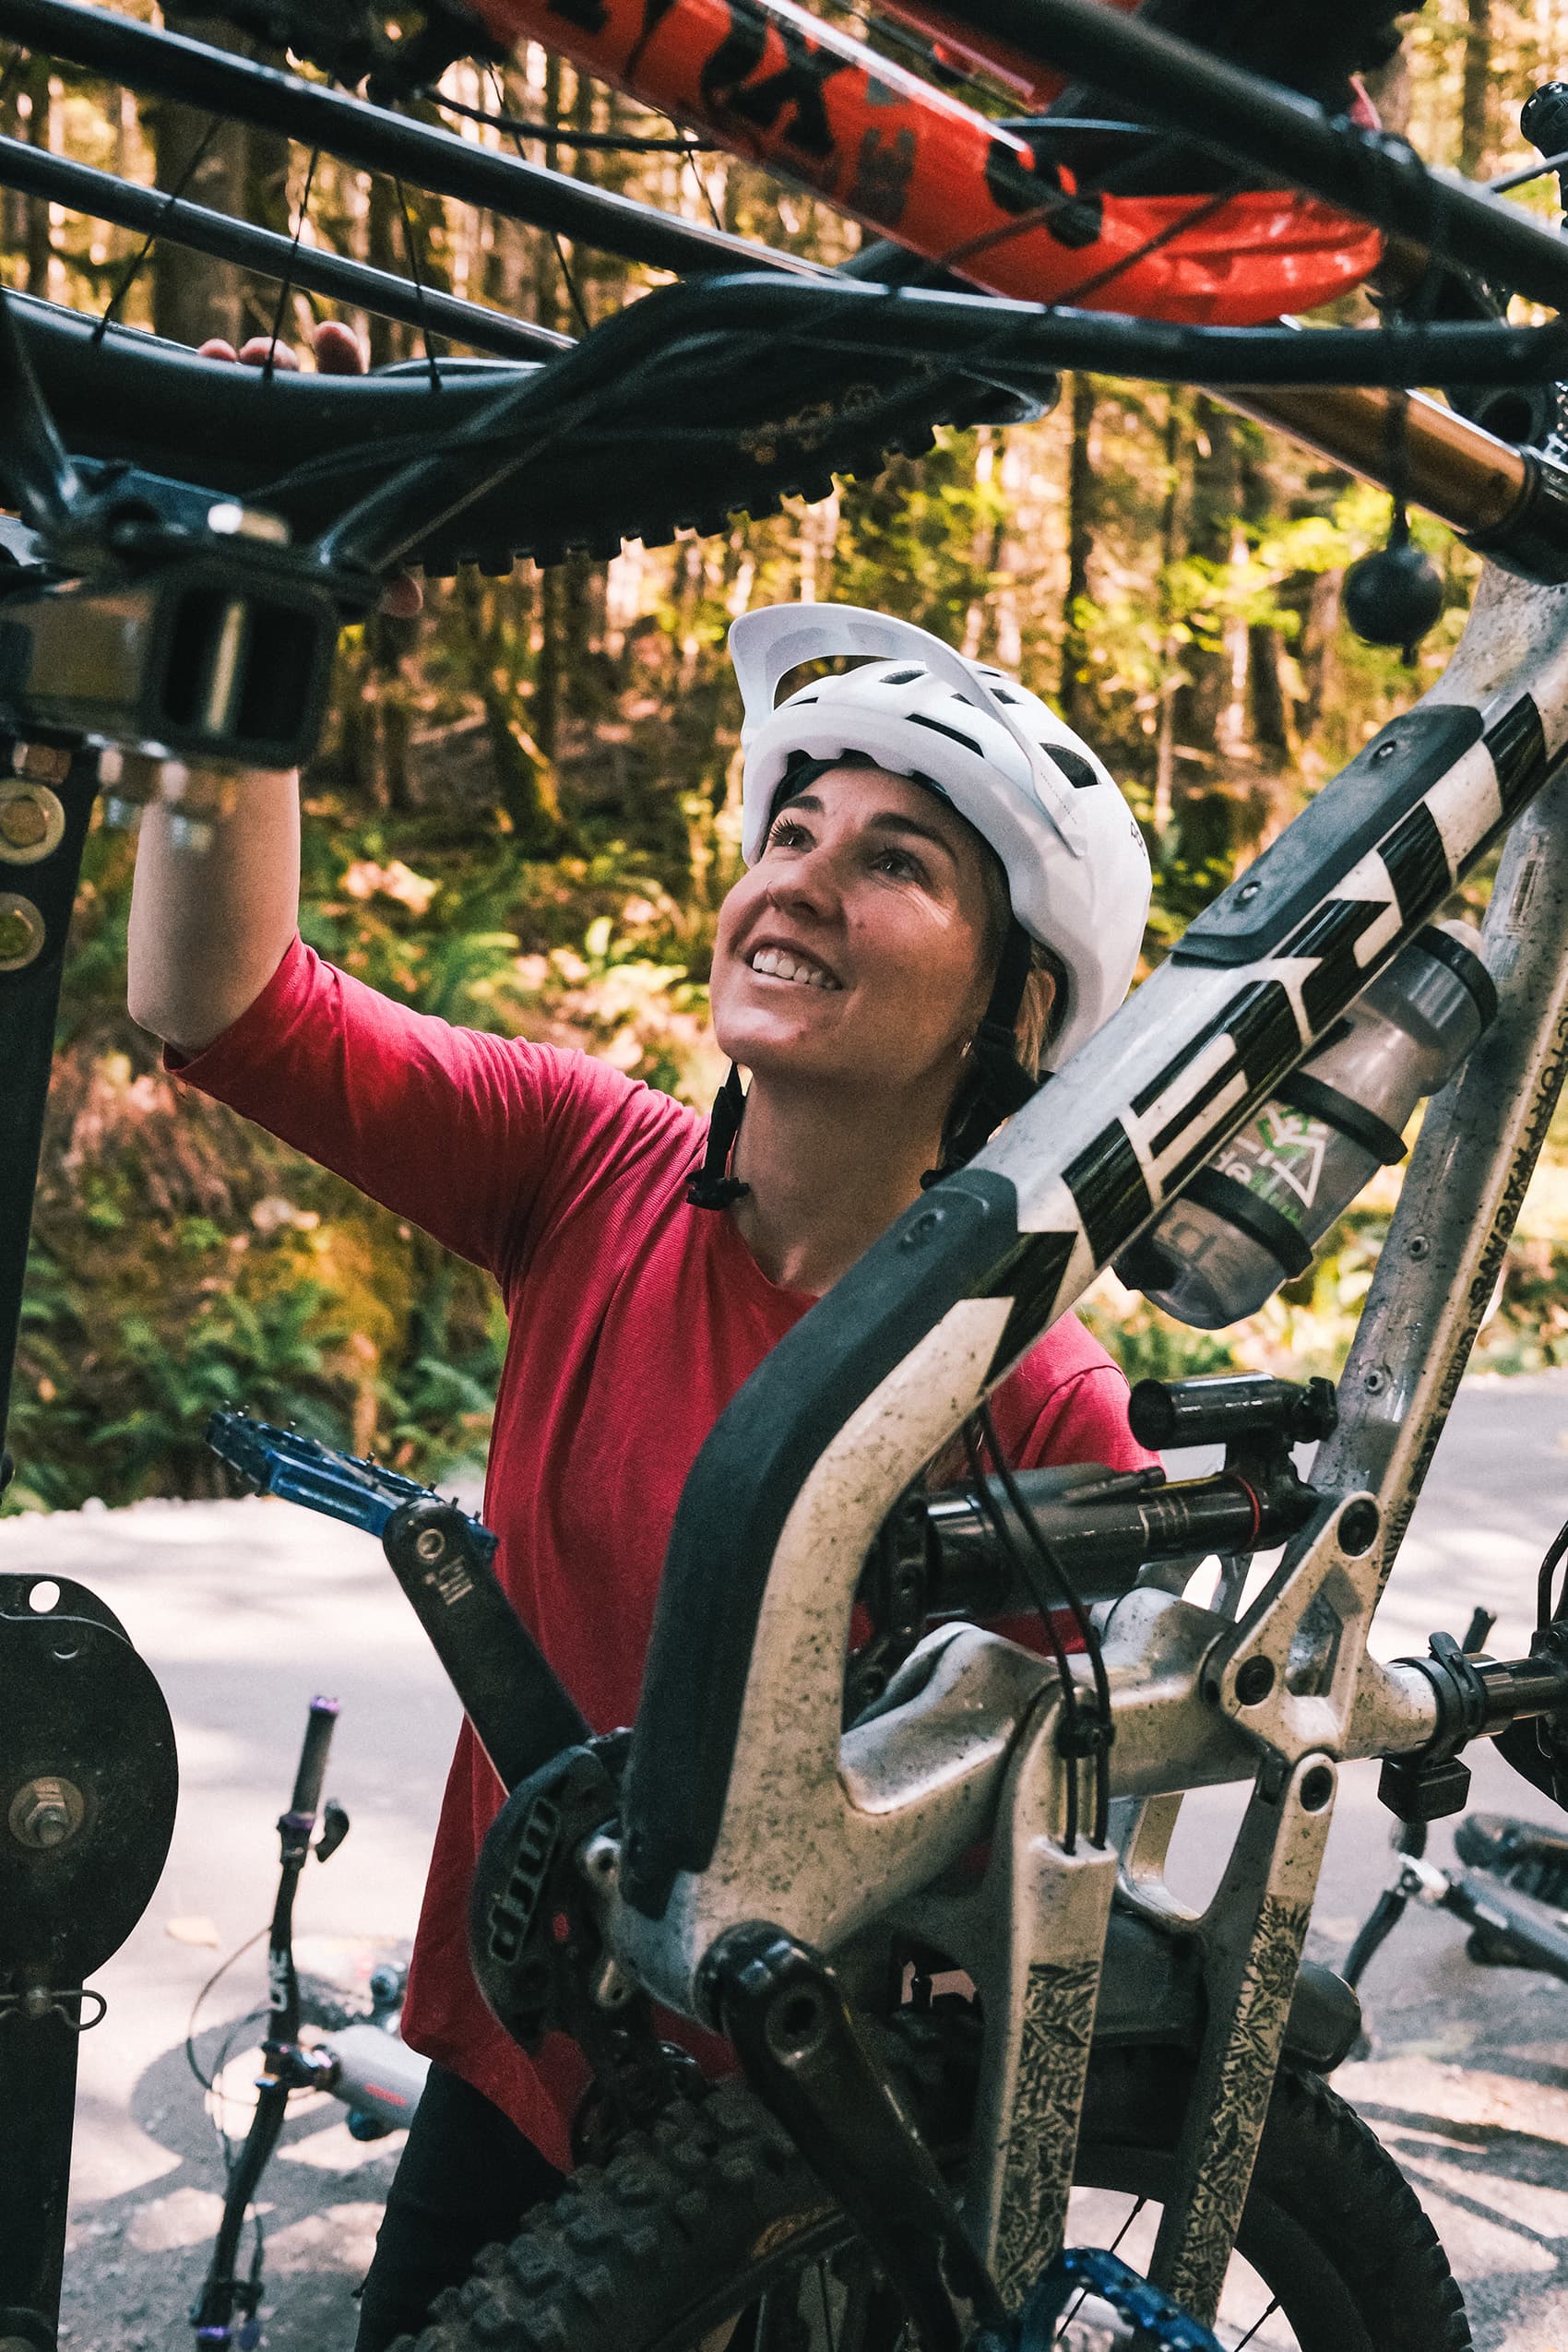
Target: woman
(945,890)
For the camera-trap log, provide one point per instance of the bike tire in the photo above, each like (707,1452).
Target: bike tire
(653,462)
(690,2226)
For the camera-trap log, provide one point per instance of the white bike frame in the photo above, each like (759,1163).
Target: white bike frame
(745,1801)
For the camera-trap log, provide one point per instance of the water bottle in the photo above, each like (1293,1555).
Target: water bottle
(1251,1220)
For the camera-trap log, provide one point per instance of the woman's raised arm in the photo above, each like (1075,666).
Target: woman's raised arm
(209,927)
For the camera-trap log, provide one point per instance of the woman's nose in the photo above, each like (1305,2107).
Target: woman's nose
(810,880)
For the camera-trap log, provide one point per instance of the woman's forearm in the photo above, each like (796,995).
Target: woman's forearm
(209,926)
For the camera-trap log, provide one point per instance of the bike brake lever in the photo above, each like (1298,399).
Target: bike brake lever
(334,1829)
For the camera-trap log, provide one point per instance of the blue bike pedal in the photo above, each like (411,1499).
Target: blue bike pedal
(301,1469)
(1161,2324)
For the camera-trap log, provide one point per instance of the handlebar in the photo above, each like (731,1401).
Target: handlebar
(322,1721)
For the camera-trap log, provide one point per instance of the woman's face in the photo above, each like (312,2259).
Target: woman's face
(857,949)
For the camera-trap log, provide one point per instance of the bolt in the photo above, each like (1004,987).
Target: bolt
(1254,1680)
(1317,1787)
(1375,1382)
(429,1543)
(921,1230)
(1386,750)
(32,823)
(45,1812)
(24,820)
(1419,1246)
(22,931)
(1359,1524)
(1248,890)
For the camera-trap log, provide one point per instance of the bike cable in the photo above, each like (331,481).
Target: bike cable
(976,1430)
(1104,1732)
(1547,1606)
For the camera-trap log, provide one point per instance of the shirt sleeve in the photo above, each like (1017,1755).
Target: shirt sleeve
(471,1135)
(1067,1403)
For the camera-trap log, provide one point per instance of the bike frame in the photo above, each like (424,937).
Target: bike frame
(745,1802)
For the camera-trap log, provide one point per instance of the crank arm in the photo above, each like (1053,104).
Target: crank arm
(780,2005)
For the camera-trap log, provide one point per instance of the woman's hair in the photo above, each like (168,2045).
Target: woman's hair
(1044,1006)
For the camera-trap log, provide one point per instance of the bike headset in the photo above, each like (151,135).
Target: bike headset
(1077,872)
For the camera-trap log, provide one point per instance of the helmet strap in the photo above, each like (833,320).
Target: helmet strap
(998,1085)
(713,1186)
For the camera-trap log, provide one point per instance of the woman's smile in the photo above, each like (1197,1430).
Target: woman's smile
(795,966)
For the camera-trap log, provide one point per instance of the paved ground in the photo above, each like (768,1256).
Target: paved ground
(245,1609)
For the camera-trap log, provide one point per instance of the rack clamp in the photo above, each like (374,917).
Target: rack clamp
(1477,1698)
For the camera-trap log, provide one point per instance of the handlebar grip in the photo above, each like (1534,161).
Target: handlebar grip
(312,1771)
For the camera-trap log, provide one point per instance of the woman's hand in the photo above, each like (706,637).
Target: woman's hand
(338,352)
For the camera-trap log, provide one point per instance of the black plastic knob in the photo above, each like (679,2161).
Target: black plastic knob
(1544,118)
(1393,596)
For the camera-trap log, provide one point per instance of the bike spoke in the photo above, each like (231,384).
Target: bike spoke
(135,267)
(286,286)
(410,247)
(1267,2314)
(1114,2247)
(826,2308)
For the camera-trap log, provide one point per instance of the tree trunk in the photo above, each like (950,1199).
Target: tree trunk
(1178,439)
(206,158)
(1475,100)
(39,89)
(1074,694)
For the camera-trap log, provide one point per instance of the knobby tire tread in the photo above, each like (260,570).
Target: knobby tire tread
(717,2195)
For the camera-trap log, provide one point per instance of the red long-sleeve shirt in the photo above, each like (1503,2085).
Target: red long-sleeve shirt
(633,1319)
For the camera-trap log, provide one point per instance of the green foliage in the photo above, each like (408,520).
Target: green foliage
(525,812)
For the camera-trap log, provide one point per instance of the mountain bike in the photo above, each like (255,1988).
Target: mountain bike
(896,2155)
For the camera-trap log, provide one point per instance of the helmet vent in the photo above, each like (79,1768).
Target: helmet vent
(1000,694)
(1080,775)
(918,718)
(902,677)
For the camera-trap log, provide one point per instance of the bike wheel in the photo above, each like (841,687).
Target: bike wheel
(712,2235)
(695,424)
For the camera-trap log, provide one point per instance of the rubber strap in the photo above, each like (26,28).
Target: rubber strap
(1465,965)
(713,1186)
(1222,1196)
(1315,1098)
(999,1085)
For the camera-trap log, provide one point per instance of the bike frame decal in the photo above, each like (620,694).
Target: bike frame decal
(1056,2028)
(778,87)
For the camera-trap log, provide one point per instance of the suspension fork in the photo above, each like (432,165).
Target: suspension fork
(1255,1928)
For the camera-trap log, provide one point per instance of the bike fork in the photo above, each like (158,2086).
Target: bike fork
(1256,1927)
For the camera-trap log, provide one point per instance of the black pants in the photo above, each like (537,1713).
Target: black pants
(465,2177)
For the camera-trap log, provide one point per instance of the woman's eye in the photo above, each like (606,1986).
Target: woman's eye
(786,835)
(900,863)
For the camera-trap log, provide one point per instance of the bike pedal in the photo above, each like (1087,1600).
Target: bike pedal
(1083,2271)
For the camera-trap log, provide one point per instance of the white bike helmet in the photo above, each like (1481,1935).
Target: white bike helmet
(1077,872)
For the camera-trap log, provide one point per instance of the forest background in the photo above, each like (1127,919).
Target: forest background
(525,811)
